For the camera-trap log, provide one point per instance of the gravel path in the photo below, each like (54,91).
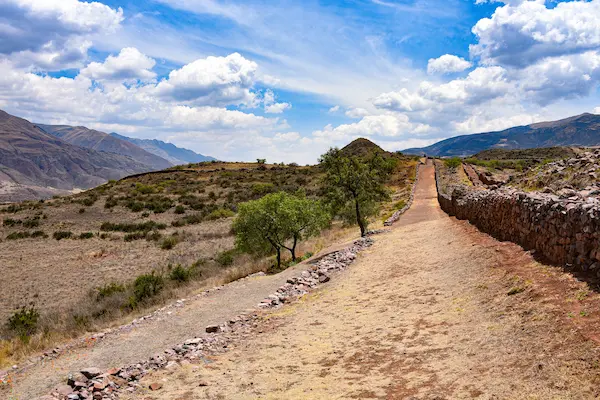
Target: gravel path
(423,314)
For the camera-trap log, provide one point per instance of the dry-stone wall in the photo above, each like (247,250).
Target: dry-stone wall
(565,231)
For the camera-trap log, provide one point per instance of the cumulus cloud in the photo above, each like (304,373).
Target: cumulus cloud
(447,64)
(521,33)
(271,106)
(52,34)
(373,125)
(213,80)
(357,113)
(334,109)
(129,64)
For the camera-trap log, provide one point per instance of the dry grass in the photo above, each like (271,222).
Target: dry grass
(60,277)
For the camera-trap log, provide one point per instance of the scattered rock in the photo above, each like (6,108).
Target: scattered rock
(212,329)
(91,372)
(155,386)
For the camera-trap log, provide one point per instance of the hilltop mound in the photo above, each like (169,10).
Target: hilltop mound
(362,147)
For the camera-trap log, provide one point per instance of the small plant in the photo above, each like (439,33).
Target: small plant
(39,234)
(180,209)
(180,274)
(86,235)
(220,213)
(146,286)
(24,322)
(18,235)
(59,235)
(81,210)
(226,258)
(515,290)
(169,242)
(453,162)
(108,290)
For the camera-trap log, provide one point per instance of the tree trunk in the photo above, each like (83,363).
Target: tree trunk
(293,249)
(363,230)
(278,257)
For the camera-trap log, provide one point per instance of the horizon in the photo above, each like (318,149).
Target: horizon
(240,81)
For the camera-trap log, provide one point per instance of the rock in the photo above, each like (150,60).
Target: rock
(113,371)
(73,396)
(212,329)
(64,390)
(91,372)
(202,383)
(324,278)
(155,386)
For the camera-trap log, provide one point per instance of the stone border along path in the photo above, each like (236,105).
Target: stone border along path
(396,216)
(95,384)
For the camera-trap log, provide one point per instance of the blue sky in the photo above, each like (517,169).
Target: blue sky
(286,80)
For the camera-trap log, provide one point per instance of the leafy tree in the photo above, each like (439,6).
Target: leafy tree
(354,185)
(277,221)
(261,160)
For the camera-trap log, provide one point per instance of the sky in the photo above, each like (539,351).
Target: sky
(285,80)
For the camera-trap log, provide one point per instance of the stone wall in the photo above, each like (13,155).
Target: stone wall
(565,232)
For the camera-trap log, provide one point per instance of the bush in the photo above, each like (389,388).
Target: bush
(226,258)
(59,235)
(18,235)
(11,222)
(220,213)
(144,189)
(169,242)
(39,234)
(188,220)
(147,286)
(108,290)
(31,223)
(143,226)
(81,210)
(179,209)
(453,162)
(110,202)
(86,235)
(180,274)
(24,322)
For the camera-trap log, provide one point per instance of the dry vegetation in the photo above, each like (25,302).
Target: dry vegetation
(76,258)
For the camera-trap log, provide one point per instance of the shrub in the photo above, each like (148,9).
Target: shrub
(18,235)
(143,226)
(260,189)
(81,210)
(226,258)
(220,213)
(59,235)
(180,274)
(153,236)
(453,162)
(188,220)
(169,242)
(108,290)
(130,237)
(144,189)
(31,223)
(136,206)
(86,235)
(147,286)
(179,209)
(11,222)
(89,201)
(110,202)
(24,322)
(39,234)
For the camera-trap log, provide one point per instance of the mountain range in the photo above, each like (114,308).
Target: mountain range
(580,130)
(170,152)
(39,161)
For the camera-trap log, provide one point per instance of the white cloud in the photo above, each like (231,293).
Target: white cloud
(373,125)
(213,80)
(447,64)
(287,137)
(357,113)
(272,107)
(52,34)
(129,64)
(521,33)
(334,109)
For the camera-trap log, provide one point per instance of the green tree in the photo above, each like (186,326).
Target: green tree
(277,221)
(354,185)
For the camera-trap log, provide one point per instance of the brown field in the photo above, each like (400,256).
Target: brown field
(61,277)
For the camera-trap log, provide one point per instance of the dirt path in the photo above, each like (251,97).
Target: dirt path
(423,314)
(151,337)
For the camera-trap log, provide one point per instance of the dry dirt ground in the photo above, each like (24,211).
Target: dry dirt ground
(434,310)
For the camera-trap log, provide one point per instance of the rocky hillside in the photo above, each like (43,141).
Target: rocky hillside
(100,141)
(176,155)
(580,130)
(35,164)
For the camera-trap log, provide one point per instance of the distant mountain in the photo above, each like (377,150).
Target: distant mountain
(168,151)
(580,130)
(35,164)
(100,141)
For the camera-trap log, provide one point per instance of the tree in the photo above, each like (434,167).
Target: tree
(261,160)
(277,221)
(354,186)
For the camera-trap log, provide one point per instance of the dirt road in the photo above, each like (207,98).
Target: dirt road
(434,310)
